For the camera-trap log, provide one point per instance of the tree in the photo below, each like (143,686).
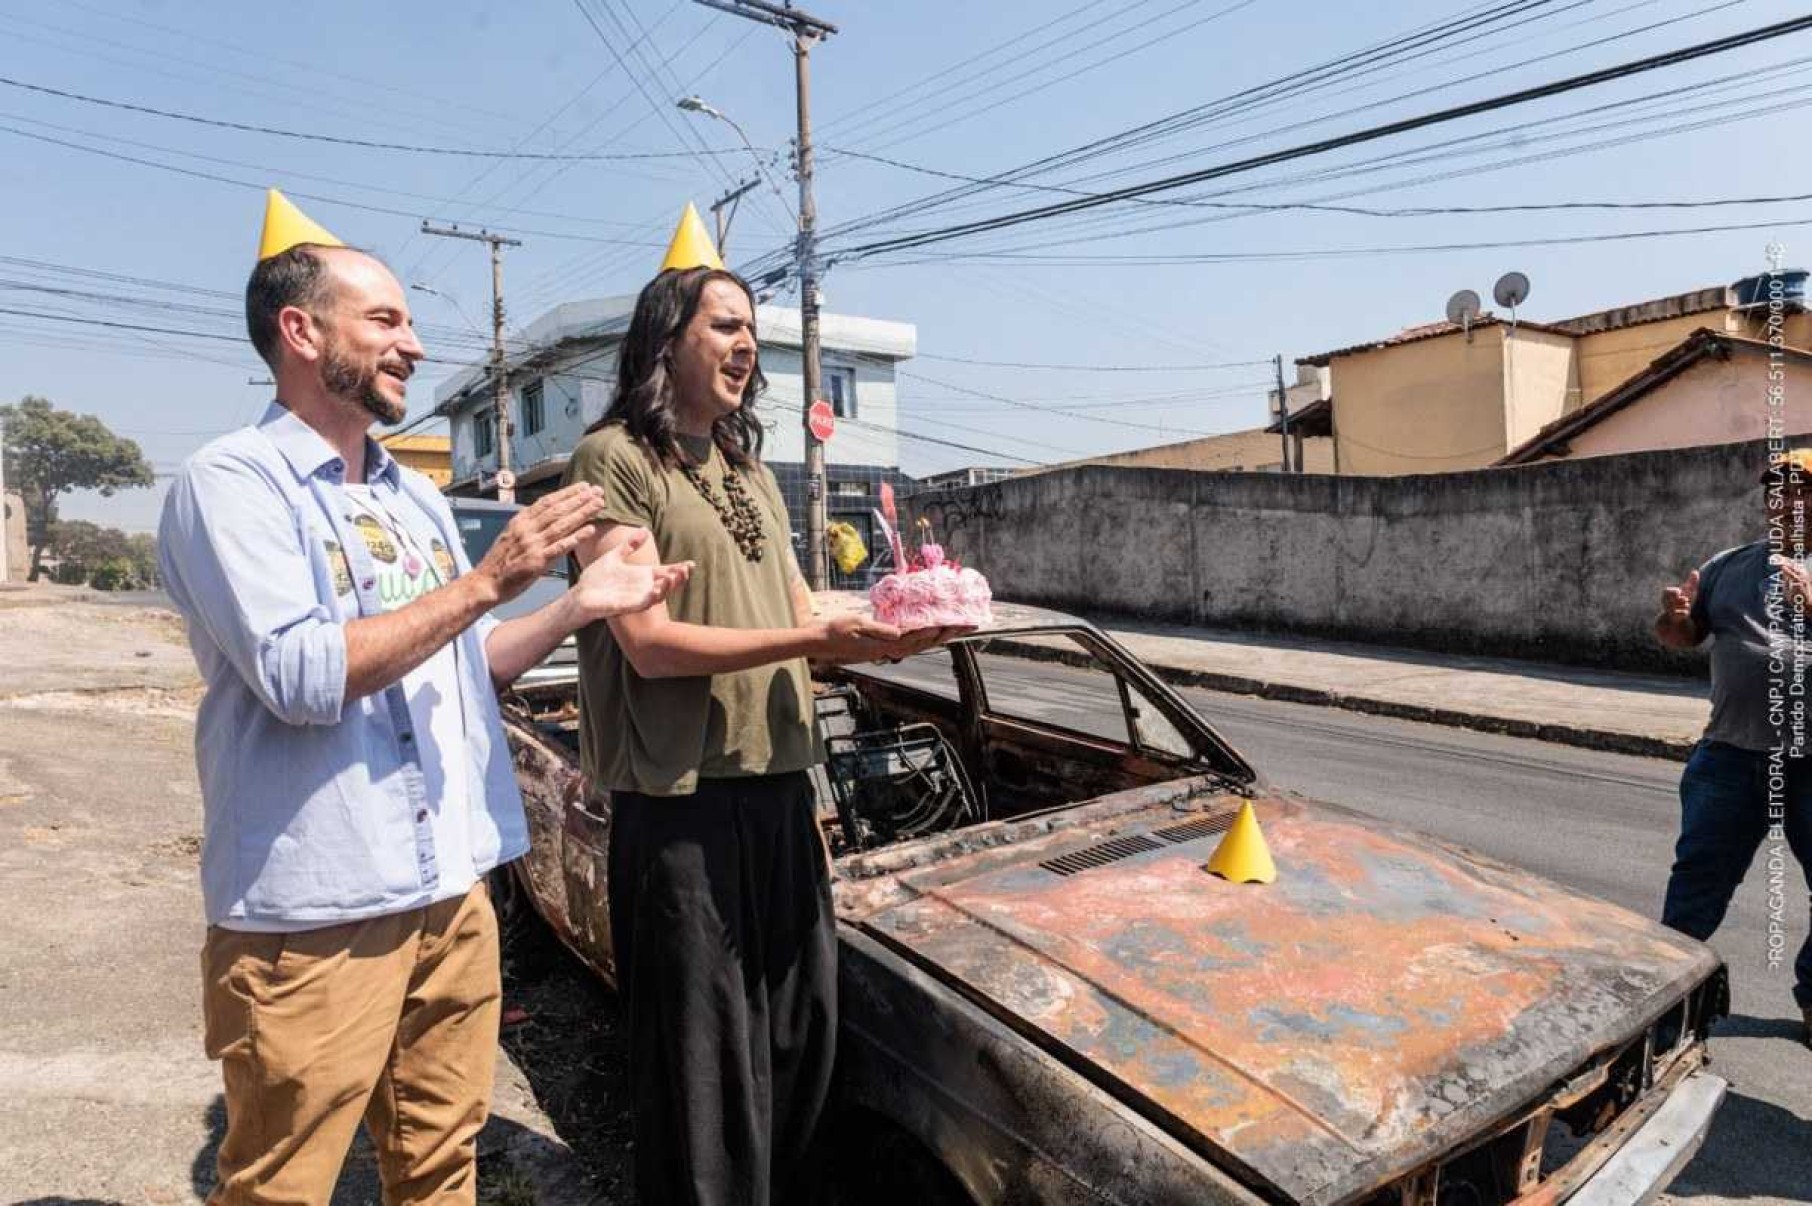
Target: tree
(50,452)
(141,551)
(104,558)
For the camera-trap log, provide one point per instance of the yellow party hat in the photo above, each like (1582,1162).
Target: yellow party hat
(285,226)
(1243,856)
(691,246)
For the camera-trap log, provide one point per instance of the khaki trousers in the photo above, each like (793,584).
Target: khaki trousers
(392,1020)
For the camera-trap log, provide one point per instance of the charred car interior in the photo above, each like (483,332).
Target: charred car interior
(1046,996)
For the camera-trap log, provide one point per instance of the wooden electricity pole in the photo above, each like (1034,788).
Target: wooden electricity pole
(500,390)
(807,32)
(723,212)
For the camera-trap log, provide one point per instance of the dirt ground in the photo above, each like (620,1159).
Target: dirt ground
(105,1095)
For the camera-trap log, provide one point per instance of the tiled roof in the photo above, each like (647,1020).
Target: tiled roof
(1428,330)
(1696,301)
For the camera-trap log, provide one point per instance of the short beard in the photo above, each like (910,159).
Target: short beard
(358,384)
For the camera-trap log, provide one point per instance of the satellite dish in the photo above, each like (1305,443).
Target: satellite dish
(1462,308)
(1511,290)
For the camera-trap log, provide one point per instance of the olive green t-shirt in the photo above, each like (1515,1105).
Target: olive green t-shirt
(660,736)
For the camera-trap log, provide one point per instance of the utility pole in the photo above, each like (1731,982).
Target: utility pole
(500,391)
(722,219)
(807,32)
(6,529)
(1283,412)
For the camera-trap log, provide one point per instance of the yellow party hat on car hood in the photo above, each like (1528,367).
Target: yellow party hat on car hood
(285,226)
(692,246)
(1243,856)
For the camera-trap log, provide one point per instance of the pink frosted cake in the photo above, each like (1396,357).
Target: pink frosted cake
(933,594)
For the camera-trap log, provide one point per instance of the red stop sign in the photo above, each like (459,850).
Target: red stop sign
(823,421)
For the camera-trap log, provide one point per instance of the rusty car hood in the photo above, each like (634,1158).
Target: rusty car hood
(1385,999)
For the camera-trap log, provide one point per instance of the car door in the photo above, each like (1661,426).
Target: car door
(1062,718)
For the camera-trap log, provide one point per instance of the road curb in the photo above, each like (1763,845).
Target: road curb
(1609,740)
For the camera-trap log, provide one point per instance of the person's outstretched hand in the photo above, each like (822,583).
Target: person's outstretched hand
(613,586)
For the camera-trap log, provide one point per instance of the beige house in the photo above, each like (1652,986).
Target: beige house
(431,455)
(1439,398)
(1258,450)
(1709,389)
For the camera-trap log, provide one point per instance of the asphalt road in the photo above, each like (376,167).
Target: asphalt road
(1601,823)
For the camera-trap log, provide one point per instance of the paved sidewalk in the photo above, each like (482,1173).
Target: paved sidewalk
(1651,714)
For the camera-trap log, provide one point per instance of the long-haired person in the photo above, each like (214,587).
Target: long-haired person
(696,717)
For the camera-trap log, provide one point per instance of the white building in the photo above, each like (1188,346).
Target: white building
(563,384)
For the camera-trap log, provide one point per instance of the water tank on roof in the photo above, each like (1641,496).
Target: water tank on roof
(1753,292)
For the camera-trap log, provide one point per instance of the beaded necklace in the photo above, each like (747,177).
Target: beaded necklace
(738,513)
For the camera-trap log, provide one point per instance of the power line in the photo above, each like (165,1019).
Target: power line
(412,148)
(1049,410)
(654,106)
(1200,115)
(265,56)
(82,320)
(1231,257)
(324,198)
(551,281)
(1094,230)
(122,326)
(322,103)
(1413,211)
(529,178)
(1322,146)
(1426,90)
(289,173)
(1044,25)
(1466,145)
(1095,368)
(1359,62)
(963,107)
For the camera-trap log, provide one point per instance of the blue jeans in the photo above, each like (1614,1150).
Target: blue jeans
(1724,819)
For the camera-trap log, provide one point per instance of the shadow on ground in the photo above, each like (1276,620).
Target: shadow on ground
(568,1043)
(1729,1166)
(1742,1025)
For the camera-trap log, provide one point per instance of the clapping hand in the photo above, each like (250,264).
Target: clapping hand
(536,538)
(613,585)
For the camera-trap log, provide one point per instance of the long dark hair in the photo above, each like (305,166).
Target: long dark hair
(643,400)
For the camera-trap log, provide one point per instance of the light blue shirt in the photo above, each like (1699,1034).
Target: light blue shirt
(315,807)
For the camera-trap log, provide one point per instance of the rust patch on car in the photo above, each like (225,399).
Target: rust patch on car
(1381,1000)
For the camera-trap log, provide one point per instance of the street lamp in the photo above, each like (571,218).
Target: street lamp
(698,104)
(806,31)
(431,291)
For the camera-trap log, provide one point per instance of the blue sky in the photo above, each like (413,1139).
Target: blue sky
(966,90)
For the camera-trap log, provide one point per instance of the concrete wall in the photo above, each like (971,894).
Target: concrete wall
(1563,561)
(1428,406)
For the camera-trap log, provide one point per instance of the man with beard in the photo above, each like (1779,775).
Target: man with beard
(356,783)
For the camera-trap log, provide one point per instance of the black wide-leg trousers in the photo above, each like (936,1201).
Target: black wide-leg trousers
(726,955)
